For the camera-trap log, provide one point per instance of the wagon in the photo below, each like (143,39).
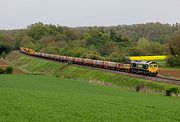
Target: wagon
(51,56)
(111,65)
(63,58)
(70,59)
(88,62)
(99,63)
(56,57)
(78,60)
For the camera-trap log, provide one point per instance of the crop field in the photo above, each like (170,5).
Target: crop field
(148,58)
(62,70)
(45,98)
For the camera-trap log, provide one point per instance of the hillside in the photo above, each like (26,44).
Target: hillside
(63,70)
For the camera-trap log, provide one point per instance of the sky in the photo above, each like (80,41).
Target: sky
(21,13)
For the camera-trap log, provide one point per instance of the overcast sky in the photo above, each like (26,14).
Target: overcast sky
(21,13)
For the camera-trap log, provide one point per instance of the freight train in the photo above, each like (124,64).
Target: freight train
(149,68)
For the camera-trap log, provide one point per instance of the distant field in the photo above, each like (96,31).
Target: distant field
(149,58)
(62,70)
(44,98)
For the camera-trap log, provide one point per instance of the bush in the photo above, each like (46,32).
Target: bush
(140,88)
(9,70)
(1,71)
(173,90)
(173,60)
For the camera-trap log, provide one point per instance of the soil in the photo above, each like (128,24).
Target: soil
(170,73)
(3,65)
(16,71)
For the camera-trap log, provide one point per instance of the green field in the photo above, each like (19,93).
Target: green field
(62,70)
(47,98)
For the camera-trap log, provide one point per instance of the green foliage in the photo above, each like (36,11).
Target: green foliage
(174,45)
(118,57)
(9,70)
(173,90)
(72,34)
(108,48)
(38,30)
(173,60)
(96,38)
(1,71)
(146,47)
(5,48)
(143,44)
(99,42)
(134,51)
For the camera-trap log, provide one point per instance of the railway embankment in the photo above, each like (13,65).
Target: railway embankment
(63,70)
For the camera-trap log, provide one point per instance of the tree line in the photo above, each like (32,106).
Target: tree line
(112,43)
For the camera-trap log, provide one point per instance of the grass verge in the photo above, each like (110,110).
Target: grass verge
(62,70)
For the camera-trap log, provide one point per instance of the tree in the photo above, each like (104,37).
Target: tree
(72,34)
(118,57)
(175,45)
(143,44)
(39,30)
(108,48)
(155,48)
(96,38)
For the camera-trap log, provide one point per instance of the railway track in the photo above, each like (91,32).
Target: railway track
(155,79)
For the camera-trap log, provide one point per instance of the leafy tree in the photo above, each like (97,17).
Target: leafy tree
(175,45)
(118,57)
(96,38)
(38,30)
(174,58)
(72,34)
(155,48)
(108,48)
(143,44)
(134,51)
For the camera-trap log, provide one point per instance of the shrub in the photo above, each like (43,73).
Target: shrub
(1,71)
(173,60)
(9,70)
(173,90)
(140,88)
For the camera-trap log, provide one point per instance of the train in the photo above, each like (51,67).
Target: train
(149,68)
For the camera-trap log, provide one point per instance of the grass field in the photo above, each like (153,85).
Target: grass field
(46,98)
(41,66)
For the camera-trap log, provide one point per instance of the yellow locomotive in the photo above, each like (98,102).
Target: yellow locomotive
(144,67)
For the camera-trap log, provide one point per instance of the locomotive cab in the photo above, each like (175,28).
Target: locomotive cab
(144,67)
(153,68)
